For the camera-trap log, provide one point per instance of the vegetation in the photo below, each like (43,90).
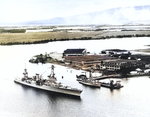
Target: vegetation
(45,37)
(12,31)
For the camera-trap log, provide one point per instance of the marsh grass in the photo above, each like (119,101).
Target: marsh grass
(43,37)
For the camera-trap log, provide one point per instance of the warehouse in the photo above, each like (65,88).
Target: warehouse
(118,64)
(87,59)
(102,62)
(116,52)
(74,52)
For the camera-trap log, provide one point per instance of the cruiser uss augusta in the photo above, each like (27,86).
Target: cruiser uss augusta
(49,84)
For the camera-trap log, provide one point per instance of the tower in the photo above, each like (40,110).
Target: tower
(52,71)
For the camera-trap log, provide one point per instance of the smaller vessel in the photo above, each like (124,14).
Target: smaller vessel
(88,81)
(112,85)
(49,84)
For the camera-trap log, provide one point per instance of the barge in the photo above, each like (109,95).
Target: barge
(112,85)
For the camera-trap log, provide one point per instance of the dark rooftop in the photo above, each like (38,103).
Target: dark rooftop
(69,51)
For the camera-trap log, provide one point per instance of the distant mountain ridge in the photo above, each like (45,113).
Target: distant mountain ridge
(115,16)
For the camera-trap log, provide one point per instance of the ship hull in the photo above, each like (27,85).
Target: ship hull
(107,85)
(62,90)
(90,84)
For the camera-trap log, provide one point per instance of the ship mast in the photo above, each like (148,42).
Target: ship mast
(25,73)
(52,71)
(90,74)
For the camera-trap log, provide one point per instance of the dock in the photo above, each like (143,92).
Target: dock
(107,76)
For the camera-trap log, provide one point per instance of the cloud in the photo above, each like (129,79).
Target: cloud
(115,16)
(134,14)
(30,10)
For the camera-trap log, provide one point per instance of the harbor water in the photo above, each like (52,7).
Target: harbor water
(132,100)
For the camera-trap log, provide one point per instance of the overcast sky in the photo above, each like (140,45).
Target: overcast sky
(29,10)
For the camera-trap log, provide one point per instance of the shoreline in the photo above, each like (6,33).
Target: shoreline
(45,37)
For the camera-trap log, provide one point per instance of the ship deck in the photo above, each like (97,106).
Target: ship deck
(62,90)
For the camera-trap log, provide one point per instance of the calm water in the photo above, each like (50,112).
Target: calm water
(133,100)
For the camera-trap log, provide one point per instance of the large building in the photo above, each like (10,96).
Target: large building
(118,64)
(116,52)
(103,62)
(74,52)
(88,60)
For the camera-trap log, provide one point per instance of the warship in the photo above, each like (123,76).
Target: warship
(49,84)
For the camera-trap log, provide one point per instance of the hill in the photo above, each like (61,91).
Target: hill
(115,16)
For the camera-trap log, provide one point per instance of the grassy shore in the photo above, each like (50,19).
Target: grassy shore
(43,37)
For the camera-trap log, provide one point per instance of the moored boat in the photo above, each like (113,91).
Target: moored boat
(49,84)
(112,85)
(88,81)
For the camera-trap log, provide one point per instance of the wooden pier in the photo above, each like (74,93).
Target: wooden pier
(107,76)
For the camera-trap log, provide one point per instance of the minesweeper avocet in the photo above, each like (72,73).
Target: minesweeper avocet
(49,84)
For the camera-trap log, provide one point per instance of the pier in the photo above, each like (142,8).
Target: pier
(107,76)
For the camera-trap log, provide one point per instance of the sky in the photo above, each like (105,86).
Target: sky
(14,11)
